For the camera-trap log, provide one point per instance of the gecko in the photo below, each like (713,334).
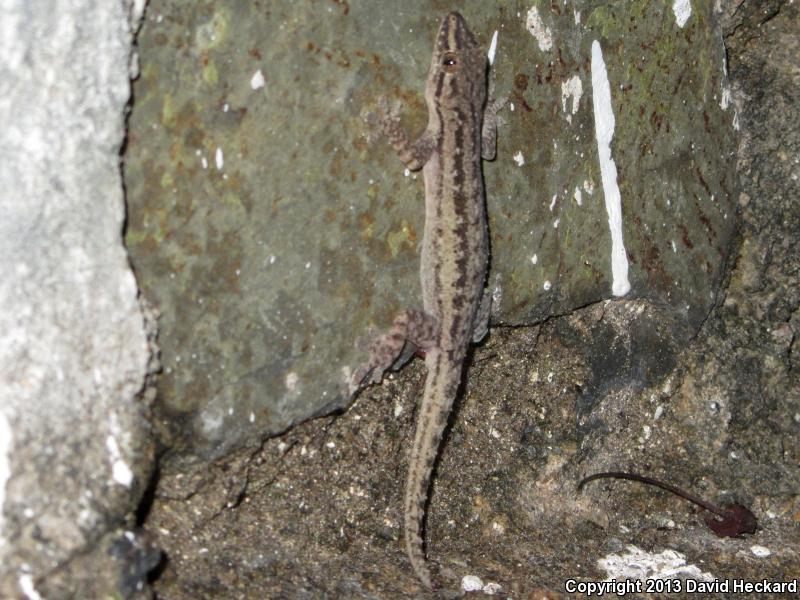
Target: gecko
(461,129)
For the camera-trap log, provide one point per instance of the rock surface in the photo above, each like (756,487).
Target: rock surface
(75,446)
(613,385)
(272,228)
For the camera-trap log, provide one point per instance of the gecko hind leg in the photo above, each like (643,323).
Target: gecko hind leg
(410,327)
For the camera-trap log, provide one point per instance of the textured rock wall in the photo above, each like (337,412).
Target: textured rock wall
(74,449)
(272,230)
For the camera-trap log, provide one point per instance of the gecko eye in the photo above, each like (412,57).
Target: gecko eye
(450,62)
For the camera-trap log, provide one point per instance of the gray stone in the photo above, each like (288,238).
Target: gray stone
(317,511)
(272,231)
(75,450)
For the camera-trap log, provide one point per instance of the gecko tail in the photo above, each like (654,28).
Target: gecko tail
(441,387)
(415,500)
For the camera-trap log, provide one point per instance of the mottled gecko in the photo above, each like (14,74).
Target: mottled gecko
(455,251)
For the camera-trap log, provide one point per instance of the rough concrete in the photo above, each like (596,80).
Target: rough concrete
(272,229)
(316,513)
(75,449)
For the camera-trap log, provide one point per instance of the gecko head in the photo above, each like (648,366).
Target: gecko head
(458,65)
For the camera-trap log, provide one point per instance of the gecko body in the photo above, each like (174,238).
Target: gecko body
(461,130)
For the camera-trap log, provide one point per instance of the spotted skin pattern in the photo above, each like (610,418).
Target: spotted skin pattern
(455,251)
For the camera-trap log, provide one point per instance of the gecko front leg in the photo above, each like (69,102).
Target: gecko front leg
(413,154)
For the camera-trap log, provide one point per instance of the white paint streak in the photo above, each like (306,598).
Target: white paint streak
(257,80)
(682,10)
(519,159)
(536,27)
(219,159)
(760,551)
(578,196)
(571,88)
(120,470)
(492,48)
(28,588)
(725,101)
(604,131)
(6,440)
(291,381)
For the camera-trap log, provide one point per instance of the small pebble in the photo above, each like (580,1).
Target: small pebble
(471,583)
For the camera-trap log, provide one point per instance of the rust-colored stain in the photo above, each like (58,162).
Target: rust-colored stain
(345,6)
(685,236)
(521,81)
(524,104)
(705,220)
(702,180)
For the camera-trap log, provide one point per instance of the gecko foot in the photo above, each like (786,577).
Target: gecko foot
(411,330)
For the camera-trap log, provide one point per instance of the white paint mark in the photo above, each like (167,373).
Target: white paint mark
(682,10)
(674,247)
(547,285)
(555,223)
(553,202)
(27,587)
(492,48)
(760,551)
(641,565)
(252,417)
(204,162)
(573,88)
(588,186)
(257,80)
(519,159)
(6,440)
(471,583)
(120,471)
(291,381)
(578,196)
(219,160)
(226,107)
(658,412)
(725,101)
(604,131)
(535,259)
(577,17)
(535,26)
